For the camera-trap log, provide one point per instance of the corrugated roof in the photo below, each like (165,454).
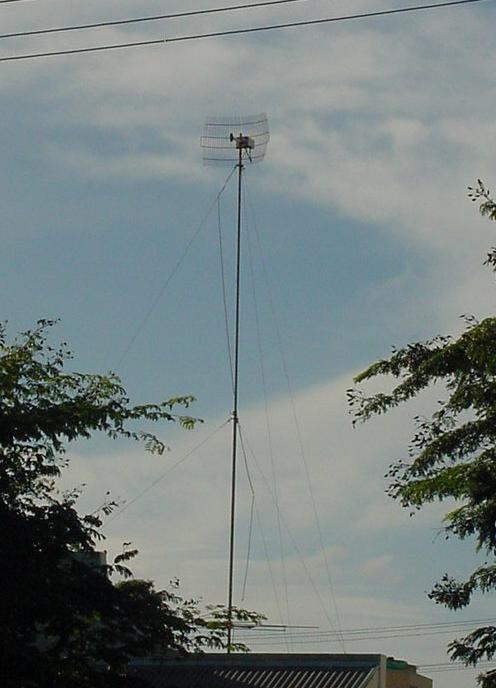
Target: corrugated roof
(167,676)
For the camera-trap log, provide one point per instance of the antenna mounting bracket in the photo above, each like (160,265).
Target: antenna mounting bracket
(242,142)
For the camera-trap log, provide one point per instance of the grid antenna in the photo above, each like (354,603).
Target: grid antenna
(228,141)
(224,137)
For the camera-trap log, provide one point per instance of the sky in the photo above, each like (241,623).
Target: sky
(358,235)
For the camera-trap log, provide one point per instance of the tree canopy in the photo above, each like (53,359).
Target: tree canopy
(452,455)
(63,621)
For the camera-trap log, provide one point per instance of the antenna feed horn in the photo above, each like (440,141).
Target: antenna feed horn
(242,142)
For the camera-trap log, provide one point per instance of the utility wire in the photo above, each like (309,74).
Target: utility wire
(450,626)
(77,51)
(327,20)
(353,639)
(371,633)
(489,669)
(449,666)
(150,18)
(233,32)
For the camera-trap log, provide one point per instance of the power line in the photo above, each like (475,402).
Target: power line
(363,634)
(98,48)
(327,20)
(419,626)
(343,637)
(150,18)
(233,32)
(449,666)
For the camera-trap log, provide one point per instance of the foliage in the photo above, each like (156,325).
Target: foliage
(452,455)
(63,622)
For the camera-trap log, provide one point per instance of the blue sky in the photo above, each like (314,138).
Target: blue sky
(377,128)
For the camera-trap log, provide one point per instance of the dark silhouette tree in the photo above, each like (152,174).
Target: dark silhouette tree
(453,452)
(64,623)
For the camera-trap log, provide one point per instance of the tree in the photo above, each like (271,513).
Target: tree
(452,455)
(63,622)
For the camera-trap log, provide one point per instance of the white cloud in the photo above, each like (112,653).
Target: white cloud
(181,524)
(378,566)
(385,123)
(371,122)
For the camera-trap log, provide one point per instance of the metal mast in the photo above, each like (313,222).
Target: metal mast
(242,143)
(222,146)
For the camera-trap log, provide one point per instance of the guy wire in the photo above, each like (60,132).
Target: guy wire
(173,272)
(295,546)
(166,472)
(262,533)
(250,528)
(266,410)
(224,296)
(295,416)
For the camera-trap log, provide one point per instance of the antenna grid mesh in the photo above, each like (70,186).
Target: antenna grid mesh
(218,145)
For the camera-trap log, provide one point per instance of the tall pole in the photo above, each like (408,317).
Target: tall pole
(235,419)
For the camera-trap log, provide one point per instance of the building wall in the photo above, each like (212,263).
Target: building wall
(400,674)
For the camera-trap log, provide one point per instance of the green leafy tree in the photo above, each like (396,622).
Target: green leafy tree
(452,455)
(63,622)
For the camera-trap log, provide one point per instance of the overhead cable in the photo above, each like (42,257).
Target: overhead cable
(77,51)
(451,666)
(150,18)
(343,637)
(265,640)
(326,637)
(233,32)
(453,626)
(327,20)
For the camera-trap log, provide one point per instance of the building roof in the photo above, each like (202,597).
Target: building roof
(263,671)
